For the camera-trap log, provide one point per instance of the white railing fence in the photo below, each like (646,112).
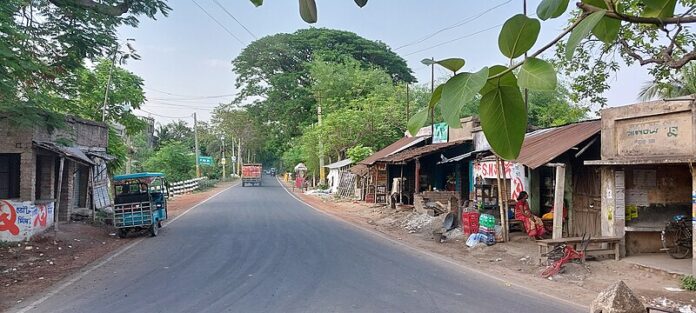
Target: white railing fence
(185,186)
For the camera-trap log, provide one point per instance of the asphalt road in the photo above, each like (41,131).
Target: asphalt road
(257,249)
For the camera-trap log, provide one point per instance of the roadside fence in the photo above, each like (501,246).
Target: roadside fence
(186,186)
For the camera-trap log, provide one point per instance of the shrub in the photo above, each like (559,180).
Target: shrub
(688,282)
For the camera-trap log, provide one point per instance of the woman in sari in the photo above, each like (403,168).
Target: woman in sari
(532,224)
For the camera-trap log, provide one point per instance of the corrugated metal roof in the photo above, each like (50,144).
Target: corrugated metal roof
(340,163)
(399,145)
(544,145)
(359,169)
(73,153)
(465,156)
(420,151)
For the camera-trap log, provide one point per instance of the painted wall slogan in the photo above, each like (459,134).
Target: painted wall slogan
(21,220)
(513,171)
(662,135)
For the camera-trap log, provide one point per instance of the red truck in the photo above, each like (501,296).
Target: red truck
(251,174)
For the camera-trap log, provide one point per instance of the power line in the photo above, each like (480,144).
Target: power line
(218,22)
(453,40)
(166,104)
(165,116)
(461,23)
(235,19)
(196,98)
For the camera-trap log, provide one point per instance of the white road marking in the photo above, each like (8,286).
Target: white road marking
(431,254)
(81,275)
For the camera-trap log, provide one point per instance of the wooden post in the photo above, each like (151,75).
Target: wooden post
(506,197)
(90,192)
(401,184)
(58,192)
(501,205)
(416,180)
(558,202)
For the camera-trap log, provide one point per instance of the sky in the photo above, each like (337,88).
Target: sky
(186,57)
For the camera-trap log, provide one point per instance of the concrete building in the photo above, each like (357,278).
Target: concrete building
(647,176)
(32,194)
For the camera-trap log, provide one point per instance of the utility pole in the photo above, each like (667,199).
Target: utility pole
(432,91)
(322,174)
(526,91)
(408,114)
(195,138)
(224,162)
(108,83)
(239,157)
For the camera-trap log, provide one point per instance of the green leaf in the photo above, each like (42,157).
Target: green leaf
(518,35)
(361,3)
(308,11)
(659,8)
(551,8)
(435,98)
(452,64)
(537,74)
(257,3)
(503,114)
(582,31)
(459,90)
(417,121)
(608,28)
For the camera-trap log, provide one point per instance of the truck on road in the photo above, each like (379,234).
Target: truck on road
(251,174)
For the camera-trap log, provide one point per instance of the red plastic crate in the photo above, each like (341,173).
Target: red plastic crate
(470,222)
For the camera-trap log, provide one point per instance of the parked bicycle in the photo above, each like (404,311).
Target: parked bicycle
(563,254)
(677,237)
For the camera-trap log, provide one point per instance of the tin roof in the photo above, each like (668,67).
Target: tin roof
(359,169)
(73,153)
(340,163)
(137,176)
(399,145)
(544,145)
(408,155)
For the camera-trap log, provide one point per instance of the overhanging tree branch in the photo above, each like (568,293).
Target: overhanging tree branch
(637,19)
(112,10)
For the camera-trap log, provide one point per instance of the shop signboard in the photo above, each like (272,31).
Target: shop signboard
(441,132)
(513,171)
(658,135)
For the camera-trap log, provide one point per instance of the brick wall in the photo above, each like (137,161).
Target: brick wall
(47,177)
(66,193)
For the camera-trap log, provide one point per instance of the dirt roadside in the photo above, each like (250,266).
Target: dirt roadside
(511,262)
(28,268)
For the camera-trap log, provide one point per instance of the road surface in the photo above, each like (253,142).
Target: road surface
(257,249)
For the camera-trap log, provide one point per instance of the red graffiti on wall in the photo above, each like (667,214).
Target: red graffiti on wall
(42,217)
(8,218)
(518,187)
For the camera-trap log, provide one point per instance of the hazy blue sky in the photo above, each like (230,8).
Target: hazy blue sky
(188,55)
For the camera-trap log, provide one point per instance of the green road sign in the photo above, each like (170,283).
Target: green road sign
(205,160)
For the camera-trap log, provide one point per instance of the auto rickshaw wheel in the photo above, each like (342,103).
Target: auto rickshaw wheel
(122,232)
(154,229)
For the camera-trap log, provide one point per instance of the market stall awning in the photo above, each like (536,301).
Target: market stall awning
(648,161)
(400,145)
(359,169)
(464,156)
(339,164)
(73,153)
(408,155)
(542,146)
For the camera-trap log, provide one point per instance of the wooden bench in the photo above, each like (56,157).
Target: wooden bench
(612,246)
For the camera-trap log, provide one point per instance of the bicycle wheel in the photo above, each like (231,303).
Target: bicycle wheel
(673,237)
(551,270)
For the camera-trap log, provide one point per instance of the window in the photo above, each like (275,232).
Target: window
(9,175)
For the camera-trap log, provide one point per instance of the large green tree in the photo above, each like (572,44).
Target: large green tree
(275,81)
(45,43)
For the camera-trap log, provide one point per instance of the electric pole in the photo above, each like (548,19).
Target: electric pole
(224,162)
(432,91)
(408,114)
(322,174)
(195,138)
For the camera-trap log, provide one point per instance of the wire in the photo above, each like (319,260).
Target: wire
(461,23)
(218,22)
(235,19)
(453,40)
(165,116)
(181,105)
(196,98)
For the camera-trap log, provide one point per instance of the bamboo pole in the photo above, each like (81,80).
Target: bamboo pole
(501,206)
(58,192)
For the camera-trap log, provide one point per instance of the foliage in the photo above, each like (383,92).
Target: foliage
(46,42)
(275,80)
(688,282)
(554,108)
(177,131)
(681,84)
(359,153)
(647,32)
(174,159)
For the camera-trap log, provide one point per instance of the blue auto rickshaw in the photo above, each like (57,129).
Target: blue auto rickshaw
(140,202)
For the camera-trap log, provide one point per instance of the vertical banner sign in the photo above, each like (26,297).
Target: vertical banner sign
(441,133)
(620,195)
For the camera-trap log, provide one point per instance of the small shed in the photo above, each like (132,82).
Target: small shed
(335,170)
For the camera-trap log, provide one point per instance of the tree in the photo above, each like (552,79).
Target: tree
(274,74)
(177,131)
(649,32)
(174,159)
(359,153)
(681,84)
(45,44)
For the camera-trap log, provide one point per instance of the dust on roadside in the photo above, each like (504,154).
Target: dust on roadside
(28,268)
(513,262)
